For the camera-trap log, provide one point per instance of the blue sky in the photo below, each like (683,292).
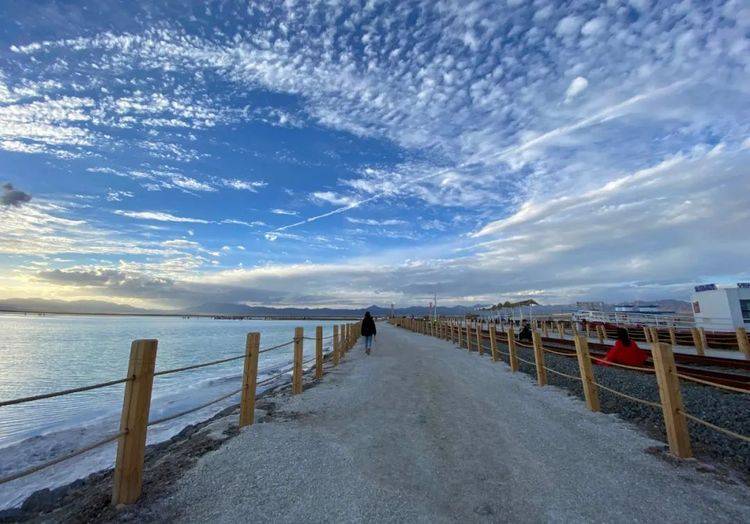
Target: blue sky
(349,153)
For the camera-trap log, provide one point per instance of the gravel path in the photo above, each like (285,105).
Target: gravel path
(424,432)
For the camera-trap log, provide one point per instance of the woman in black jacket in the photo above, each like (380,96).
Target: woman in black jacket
(368,331)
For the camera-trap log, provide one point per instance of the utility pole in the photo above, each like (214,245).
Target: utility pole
(435,313)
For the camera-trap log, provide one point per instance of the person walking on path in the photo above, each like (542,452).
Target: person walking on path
(368,331)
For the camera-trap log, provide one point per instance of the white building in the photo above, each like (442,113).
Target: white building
(640,308)
(721,309)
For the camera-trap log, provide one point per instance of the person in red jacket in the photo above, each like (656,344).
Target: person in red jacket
(625,351)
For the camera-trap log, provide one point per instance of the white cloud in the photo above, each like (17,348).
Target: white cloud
(376,222)
(578,84)
(159,216)
(594,26)
(331,197)
(191,184)
(247,185)
(117,196)
(233,221)
(287,212)
(568,26)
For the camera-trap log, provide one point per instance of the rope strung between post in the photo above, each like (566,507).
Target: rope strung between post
(623,366)
(215,362)
(716,428)
(315,338)
(81,451)
(714,384)
(525,361)
(191,410)
(196,366)
(274,377)
(266,350)
(572,377)
(568,355)
(625,395)
(64,392)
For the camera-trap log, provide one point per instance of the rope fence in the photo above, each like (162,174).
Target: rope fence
(664,369)
(713,384)
(64,392)
(554,371)
(192,410)
(720,429)
(138,398)
(62,458)
(629,397)
(196,366)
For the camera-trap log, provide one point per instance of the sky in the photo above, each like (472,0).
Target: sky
(331,153)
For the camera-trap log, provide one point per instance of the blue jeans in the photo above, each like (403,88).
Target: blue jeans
(368,342)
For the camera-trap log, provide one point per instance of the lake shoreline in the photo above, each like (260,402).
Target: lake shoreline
(88,499)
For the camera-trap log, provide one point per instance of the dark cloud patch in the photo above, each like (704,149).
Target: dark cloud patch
(109,278)
(125,284)
(13,197)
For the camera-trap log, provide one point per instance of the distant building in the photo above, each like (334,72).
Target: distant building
(639,308)
(724,308)
(590,306)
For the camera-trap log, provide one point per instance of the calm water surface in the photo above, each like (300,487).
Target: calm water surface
(40,354)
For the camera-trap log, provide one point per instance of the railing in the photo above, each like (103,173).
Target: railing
(134,420)
(680,321)
(471,336)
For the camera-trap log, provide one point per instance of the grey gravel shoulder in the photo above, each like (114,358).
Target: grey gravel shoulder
(422,431)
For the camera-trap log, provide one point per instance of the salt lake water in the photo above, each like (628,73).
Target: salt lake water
(42,354)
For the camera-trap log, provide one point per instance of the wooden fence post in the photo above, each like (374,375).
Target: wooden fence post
(512,349)
(672,337)
(545,332)
(319,352)
(336,356)
(590,391)
(588,330)
(480,346)
(602,334)
(493,342)
(560,329)
(697,342)
(742,342)
(671,400)
(297,370)
(128,477)
(704,340)
(468,335)
(541,373)
(249,379)
(459,332)
(647,334)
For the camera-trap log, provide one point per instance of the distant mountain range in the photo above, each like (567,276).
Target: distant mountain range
(40,305)
(296,312)
(101,307)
